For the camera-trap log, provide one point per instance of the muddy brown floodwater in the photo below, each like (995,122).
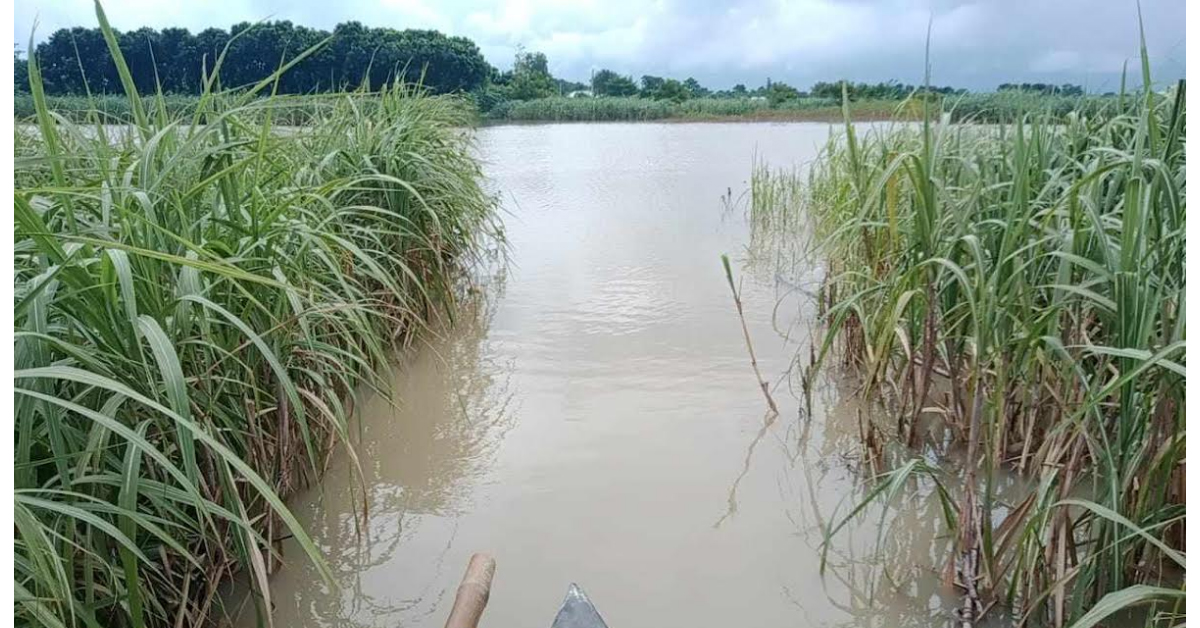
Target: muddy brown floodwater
(594,419)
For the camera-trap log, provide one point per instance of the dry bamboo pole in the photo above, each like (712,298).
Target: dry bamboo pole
(473,593)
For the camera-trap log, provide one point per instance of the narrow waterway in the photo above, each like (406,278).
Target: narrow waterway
(594,418)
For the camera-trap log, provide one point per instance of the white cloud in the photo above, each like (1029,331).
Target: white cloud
(975,43)
(1056,61)
(419,13)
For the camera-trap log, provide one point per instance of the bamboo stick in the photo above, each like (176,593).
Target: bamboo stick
(473,592)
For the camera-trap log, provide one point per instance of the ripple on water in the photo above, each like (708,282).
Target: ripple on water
(605,426)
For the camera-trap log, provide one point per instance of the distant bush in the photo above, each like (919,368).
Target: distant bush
(489,97)
(779,93)
(111,107)
(633,109)
(494,102)
(1006,106)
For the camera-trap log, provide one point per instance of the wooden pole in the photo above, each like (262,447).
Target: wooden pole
(473,593)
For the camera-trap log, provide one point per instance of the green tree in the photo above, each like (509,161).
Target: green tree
(609,83)
(20,73)
(672,90)
(779,93)
(525,86)
(1045,89)
(176,54)
(531,76)
(210,42)
(138,48)
(530,63)
(695,88)
(76,60)
(651,85)
(887,90)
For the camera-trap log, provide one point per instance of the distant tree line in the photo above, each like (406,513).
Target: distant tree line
(1045,89)
(76,60)
(889,90)
(610,83)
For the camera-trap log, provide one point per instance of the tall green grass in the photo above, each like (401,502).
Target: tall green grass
(198,298)
(1025,282)
(1010,106)
(559,109)
(284,109)
(982,107)
(114,107)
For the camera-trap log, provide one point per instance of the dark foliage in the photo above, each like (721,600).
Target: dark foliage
(1047,89)
(76,60)
(889,90)
(609,83)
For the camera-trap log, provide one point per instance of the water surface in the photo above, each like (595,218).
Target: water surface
(595,418)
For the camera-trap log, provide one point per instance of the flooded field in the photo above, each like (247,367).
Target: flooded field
(594,419)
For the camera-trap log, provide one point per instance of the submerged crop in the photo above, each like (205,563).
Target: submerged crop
(198,297)
(1025,283)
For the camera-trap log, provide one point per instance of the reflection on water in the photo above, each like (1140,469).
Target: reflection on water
(418,458)
(598,421)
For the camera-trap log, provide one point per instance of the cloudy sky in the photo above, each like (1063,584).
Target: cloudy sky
(975,44)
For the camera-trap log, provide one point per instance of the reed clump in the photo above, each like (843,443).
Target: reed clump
(198,297)
(634,109)
(1026,282)
(981,107)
